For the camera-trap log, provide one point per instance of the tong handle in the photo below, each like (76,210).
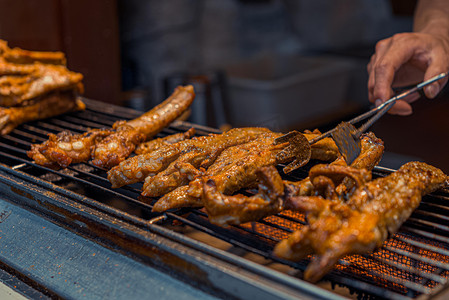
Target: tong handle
(381,109)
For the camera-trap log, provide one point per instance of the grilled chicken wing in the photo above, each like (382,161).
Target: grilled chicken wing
(374,211)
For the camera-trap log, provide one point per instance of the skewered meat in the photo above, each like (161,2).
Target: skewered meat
(199,150)
(31,83)
(374,211)
(109,147)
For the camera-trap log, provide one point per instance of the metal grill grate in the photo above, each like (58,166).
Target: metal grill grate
(412,263)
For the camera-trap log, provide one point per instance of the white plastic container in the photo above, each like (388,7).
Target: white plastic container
(282,92)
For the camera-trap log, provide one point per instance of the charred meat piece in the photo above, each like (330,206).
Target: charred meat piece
(373,212)
(167,140)
(108,147)
(137,168)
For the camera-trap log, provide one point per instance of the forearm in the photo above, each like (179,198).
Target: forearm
(432,17)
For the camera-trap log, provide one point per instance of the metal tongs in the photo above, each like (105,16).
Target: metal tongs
(345,135)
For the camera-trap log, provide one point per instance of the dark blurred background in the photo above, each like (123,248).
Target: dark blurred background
(283,64)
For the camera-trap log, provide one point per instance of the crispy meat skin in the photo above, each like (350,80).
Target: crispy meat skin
(373,212)
(137,168)
(109,147)
(53,104)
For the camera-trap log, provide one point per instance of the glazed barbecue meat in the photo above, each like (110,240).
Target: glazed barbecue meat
(35,85)
(65,148)
(42,79)
(54,104)
(235,169)
(108,147)
(120,144)
(199,151)
(177,173)
(371,148)
(240,209)
(163,141)
(375,210)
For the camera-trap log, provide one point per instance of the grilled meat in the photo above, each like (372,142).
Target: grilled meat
(203,150)
(312,185)
(127,135)
(225,210)
(235,169)
(108,147)
(35,85)
(55,103)
(176,173)
(167,140)
(375,210)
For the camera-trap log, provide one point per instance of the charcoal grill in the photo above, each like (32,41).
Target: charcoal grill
(73,216)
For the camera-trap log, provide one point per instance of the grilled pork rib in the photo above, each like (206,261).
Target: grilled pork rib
(108,147)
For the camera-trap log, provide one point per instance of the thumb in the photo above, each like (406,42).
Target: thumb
(432,90)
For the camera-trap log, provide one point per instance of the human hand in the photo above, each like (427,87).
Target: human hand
(405,59)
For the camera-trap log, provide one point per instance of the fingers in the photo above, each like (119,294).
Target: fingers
(431,91)
(389,57)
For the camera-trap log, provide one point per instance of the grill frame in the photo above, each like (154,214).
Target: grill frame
(98,221)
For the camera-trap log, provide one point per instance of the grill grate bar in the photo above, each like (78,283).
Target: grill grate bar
(418,257)
(429,235)
(408,269)
(428,223)
(424,246)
